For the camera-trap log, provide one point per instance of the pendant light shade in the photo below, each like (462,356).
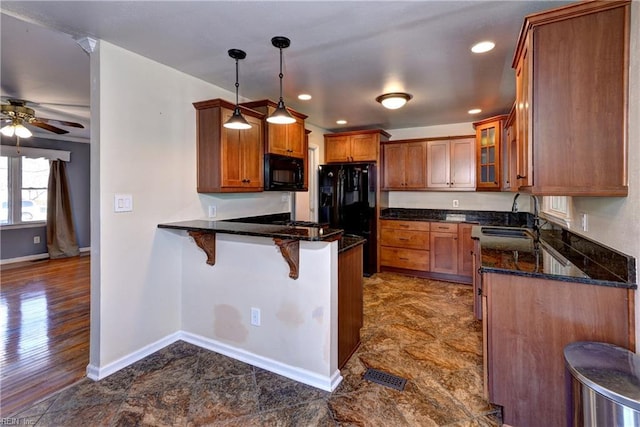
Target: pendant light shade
(237,120)
(16,128)
(281,116)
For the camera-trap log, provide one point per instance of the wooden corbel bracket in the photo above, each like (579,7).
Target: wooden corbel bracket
(290,250)
(206,241)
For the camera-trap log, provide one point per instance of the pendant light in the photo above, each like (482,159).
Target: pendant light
(281,116)
(237,120)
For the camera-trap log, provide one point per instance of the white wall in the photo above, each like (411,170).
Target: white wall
(143,142)
(298,332)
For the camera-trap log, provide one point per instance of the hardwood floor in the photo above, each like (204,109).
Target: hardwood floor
(44,329)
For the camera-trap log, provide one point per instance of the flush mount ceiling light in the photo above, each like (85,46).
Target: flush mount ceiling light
(474,111)
(281,116)
(16,128)
(483,47)
(237,120)
(394,100)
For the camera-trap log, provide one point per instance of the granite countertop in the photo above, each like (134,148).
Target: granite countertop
(257,229)
(497,218)
(350,241)
(544,256)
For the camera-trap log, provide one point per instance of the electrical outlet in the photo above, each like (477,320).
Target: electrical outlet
(213,211)
(36,240)
(255,316)
(456,203)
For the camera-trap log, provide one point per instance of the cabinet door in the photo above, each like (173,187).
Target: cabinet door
(296,139)
(465,250)
(524,166)
(463,165)
(277,139)
(394,166)
(252,163)
(488,139)
(477,280)
(364,148)
(438,164)
(336,149)
(443,249)
(231,168)
(415,166)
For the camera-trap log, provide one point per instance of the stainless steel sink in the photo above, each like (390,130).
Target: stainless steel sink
(506,232)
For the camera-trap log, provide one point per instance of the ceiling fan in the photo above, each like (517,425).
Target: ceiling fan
(16,114)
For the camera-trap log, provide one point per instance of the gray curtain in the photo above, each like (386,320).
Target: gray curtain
(61,235)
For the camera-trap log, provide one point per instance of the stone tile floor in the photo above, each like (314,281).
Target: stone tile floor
(418,329)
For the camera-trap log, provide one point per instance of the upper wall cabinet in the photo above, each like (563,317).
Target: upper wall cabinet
(404,165)
(229,160)
(451,164)
(489,135)
(286,140)
(356,146)
(572,67)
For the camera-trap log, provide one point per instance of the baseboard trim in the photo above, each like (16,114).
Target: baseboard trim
(327,383)
(97,373)
(35,257)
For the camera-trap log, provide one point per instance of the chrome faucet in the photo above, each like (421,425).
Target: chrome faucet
(514,206)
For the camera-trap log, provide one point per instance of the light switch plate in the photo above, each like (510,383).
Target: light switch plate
(123,203)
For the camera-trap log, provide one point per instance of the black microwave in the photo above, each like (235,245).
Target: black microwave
(283,173)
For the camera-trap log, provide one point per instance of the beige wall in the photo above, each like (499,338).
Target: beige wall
(143,144)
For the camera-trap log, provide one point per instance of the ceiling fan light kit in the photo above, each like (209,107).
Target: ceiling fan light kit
(281,116)
(237,120)
(394,100)
(18,114)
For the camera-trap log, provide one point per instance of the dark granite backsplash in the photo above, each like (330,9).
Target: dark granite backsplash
(509,219)
(589,255)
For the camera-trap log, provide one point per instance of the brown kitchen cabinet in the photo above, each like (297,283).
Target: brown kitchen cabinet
(510,154)
(489,135)
(404,244)
(465,250)
(350,302)
(228,160)
(443,243)
(527,322)
(286,140)
(451,163)
(571,100)
(404,165)
(355,146)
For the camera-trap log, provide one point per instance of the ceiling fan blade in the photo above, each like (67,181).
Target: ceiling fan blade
(50,128)
(62,122)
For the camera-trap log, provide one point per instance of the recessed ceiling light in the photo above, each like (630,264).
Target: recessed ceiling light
(341,122)
(483,47)
(475,111)
(304,97)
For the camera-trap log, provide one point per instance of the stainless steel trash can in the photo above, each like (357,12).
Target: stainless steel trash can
(605,385)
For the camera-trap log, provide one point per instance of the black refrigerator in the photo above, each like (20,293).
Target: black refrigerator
(347,195)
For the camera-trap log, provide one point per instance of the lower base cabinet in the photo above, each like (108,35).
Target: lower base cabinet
(439,250)
(527,322)
(350,303)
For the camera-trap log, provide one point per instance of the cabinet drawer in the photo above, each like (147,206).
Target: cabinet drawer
(444,227)
(411,259)
(412,239)
(404,225)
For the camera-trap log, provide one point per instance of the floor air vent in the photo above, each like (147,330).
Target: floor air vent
(385,379)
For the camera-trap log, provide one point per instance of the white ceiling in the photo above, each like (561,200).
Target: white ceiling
(343,53)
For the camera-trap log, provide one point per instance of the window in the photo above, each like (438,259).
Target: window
(23,189)
(558,209)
